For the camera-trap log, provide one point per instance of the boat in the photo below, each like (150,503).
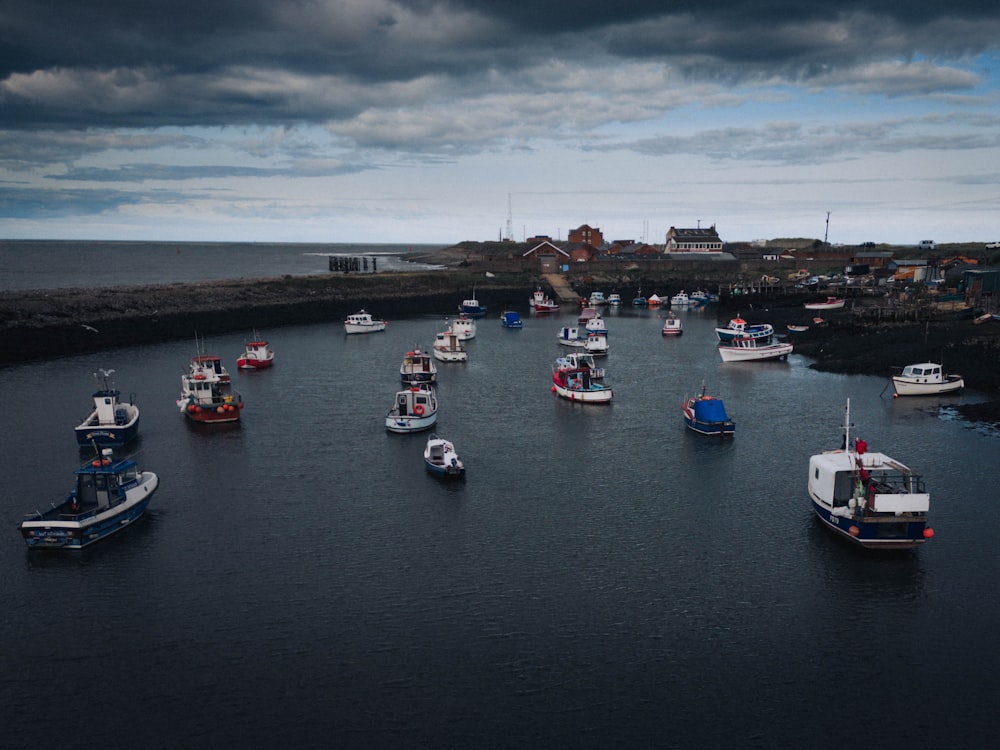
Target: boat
(510,319)
(363,322)
(707,415)
(441,458)
(472,307)
(984,318)
(797,329)
(867,497)
(738,328)
(570,336)
(596,344)
(615,299)
(597,299)
(831,303)
(699,297)
(448,347)
(681,299)
(587,313)
(542,304)
(750,350)
(257,355)
(109,494)
(417,367)
(654,300)
(672,326)
(112,422)
(638,300)
(414,409)
(926,379)
(207,394)
(596,325)
(578,360)
(578,384)
(464,327)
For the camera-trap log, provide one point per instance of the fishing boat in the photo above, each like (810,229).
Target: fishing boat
(596,325)
(654,300)
(596,299)
(541,303)
(751,350)
(797,329)
(448,347)
(207,394)
(681,299)
(417,367)
(738,328)
(464,327)
(638,300)
(830,303)
(363,322)
(511,319)
(596,344)
(700,297)
(926,379)
(672,325)
(707,415)
(578,360)
(472,307)
(615,299)
(867,497)
(587,313)
(112,422)
(441,458)
(578,384)
(257,355)
(414,409)
(109,494)
(570,336)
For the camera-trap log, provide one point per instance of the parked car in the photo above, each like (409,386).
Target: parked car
(993,245)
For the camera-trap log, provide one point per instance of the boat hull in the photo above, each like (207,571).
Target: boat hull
(719,429)
(876,533)
(445,355)
(356,328)
(212,413)
(107,436)
(593,396)
(906,387)
(248,363)
(753,354)
(410,424)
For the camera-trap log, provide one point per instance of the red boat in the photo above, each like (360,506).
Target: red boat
(207,393)
(257,355)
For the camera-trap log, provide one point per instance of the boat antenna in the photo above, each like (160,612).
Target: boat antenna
(847,426)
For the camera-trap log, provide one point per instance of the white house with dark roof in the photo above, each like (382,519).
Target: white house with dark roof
(698,240)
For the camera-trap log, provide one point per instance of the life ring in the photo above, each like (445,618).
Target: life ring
(199,376)
(419,410)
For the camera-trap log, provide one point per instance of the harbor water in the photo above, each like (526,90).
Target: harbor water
(601,578)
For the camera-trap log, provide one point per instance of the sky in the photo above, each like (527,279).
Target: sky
(438,121)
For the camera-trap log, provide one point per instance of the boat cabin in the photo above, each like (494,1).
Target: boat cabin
(927,372)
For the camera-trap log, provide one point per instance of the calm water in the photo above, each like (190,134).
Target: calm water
(602,578)
(51,265)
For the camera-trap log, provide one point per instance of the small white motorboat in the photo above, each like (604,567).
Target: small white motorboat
(363,322)
(413,410)
(926,379)
(752,350)
(441,458)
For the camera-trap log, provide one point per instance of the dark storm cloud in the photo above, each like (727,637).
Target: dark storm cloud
(73,63)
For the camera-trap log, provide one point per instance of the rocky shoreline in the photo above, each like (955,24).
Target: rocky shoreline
(65,322)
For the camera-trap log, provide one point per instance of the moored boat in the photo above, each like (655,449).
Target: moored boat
(596,325)
(363,322)
(638,300)
(112,422)
(464,327)
(414,409)
(441,458)
(830,303)
(654,300)
(472,307)
(868,498)
(672,325)
(579,360)
(207,394)
(738,328)
(681,299)
(707,415)
(109,494)
(257,355)
(448,347)
(926,379)
(614,299)
(570,336)
(577,384)
(750,350)
(596,299)
(511,319)
(417,367)
(541,303)
(596,344)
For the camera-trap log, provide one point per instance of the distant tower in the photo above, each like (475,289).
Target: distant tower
(510,222)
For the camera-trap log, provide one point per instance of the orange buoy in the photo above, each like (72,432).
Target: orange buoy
(928,533)
(192,408)
(854,531)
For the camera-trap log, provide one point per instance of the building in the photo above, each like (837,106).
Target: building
(699,240)
(587,235)
(549,256)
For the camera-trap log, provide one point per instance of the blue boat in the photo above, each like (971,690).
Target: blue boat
(471,307)
(441,459)
(109,495)
(707,415)
(738,328)
(511,320)
(111,422)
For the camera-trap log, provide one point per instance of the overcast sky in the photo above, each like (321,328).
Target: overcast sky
(445,120)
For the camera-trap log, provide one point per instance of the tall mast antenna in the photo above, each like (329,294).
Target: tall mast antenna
(827,235)
(510,221)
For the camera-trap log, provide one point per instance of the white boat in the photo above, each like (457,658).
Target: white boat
(699,297)
(615,299)
(257,355)
(596,325)
(413,410)
(112,421)
(441,458)
(597,299)
(579,385)
(672,326)
(417,367)
(363,322)
(926,379)
(108,496)
(542,304)
(448,347)
(680,299)
(464,327)
(570,336)
(868,498)
(579,360)
(596,344)
(751,350)
(831,303)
